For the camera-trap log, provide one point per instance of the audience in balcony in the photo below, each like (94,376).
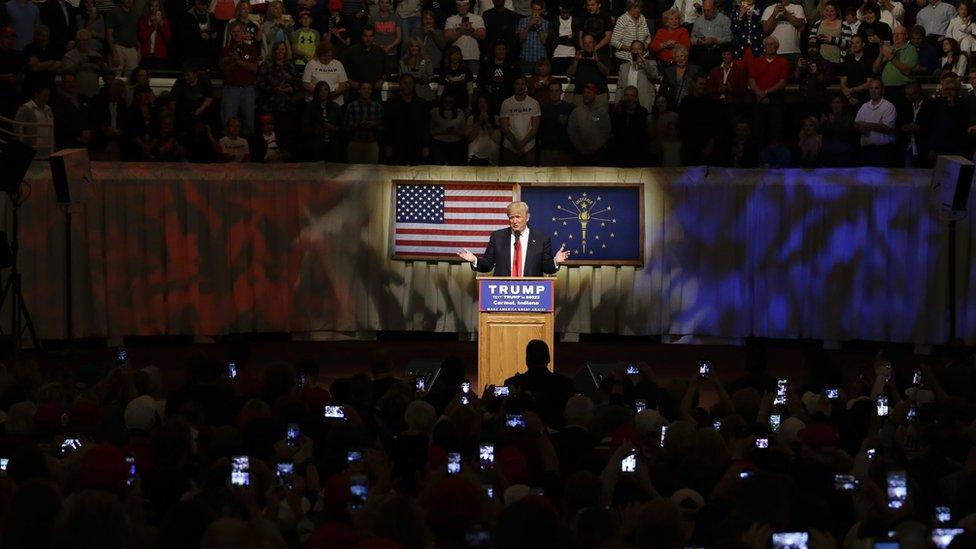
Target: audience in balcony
(779,68)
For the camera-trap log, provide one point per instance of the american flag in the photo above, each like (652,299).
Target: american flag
(434,220)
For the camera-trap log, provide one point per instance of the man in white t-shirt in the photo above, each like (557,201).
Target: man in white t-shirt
(464,30)
(519,118)
(785,21)
(325,67)
(875,121)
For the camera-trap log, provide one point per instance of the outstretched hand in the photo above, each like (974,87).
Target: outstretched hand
(466,255)
(562,255)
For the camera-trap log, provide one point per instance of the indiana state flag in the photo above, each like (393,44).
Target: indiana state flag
(598,224)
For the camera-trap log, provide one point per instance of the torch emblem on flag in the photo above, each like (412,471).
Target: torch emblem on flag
(588,223)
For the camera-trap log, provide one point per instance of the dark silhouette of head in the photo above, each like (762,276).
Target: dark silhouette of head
(537,354)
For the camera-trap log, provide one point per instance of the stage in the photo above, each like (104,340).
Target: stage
(207,250)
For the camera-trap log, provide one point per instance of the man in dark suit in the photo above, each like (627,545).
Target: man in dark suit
(59,16)
(914,125)
(551,390)
(534,249)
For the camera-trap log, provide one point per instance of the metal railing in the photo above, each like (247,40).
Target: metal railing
(39,135)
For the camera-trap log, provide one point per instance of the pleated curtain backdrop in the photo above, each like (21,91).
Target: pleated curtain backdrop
(216,249)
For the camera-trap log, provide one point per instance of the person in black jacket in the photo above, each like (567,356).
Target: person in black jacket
(61,18)
(407,123)
(551,390)
(914,127)
(949,123)
(497,76)
(536,249)
(629,123)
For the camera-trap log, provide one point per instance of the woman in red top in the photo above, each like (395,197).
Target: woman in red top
(154,33)
(670,35)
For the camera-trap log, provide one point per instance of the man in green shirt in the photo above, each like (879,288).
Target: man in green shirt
(896,63)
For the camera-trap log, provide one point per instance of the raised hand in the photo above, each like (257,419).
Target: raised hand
(561,256)
(466,255)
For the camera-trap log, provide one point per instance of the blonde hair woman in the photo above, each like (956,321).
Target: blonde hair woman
(670,36)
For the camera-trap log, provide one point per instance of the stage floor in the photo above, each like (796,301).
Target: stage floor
(339,359)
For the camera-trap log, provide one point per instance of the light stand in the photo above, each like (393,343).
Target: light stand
(68,316)
(13,288)
(952,180)
(70,174)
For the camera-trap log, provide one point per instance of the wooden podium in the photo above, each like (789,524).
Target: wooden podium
(514,311)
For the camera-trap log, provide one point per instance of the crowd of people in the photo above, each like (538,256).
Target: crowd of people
(509,82)
(232,454)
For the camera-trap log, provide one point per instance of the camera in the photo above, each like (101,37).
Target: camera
(780,392)
(359,490)
(292,435)
(486,456)
(832,393)
(334,412)
(881,405)
(489,490)
(586,55)
(130,463)
(871,452)
(917,377)
(704,369)
(629,463)
(664,434)
(420,384)
(632,369)
(465,400)
(240,471)
(790,540)
(3,464)
(640,405)
(453,463)
(515,421)
(353,457)
(845,483)
(774,421)
(762,443)
(231,370)
(284,473)
(502,391)
(121,356)
(912,414)
(943,515)
(717,424)
(942,537)
(897,489)
(465,387)
(69,445)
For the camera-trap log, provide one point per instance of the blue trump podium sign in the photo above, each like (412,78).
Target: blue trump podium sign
(515,295)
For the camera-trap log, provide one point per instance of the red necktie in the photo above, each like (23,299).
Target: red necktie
(517,260)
